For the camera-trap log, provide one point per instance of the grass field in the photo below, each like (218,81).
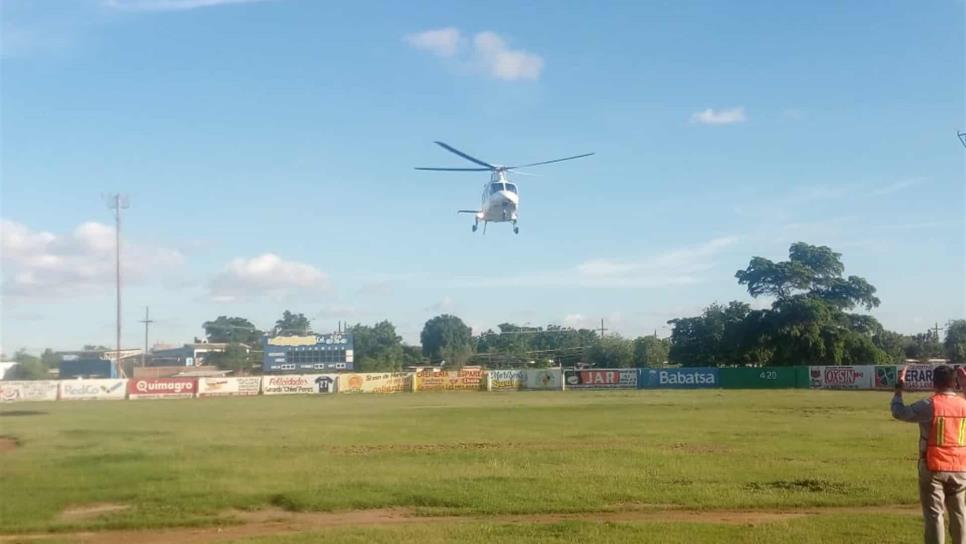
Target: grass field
(622,466)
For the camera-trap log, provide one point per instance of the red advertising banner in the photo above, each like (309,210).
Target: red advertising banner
(162,388)
(601,378)
(841,377)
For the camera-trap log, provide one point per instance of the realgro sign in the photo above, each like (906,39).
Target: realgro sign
(161,388)
(93,389)
(678,378)
(221,387)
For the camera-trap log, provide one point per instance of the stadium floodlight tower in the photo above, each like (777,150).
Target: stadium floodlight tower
(118,202)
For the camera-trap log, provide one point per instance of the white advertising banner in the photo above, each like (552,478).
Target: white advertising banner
(220,387)
(28,390)
(93,389)
(505,380)
(295,384)
(376,382)
(841,377)
(547,378)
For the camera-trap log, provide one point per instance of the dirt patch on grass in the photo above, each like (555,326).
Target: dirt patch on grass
(808,484)
(277,522)
(86,512)
(413,448)
(684,447)
(8,443)
(20,413)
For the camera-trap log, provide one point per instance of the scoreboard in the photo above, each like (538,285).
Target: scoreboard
(307,354)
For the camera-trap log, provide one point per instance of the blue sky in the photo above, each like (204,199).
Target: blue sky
(267,148)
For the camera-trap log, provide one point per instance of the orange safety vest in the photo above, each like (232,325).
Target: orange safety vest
(946,446)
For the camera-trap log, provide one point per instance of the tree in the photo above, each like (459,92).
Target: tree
(235,358)
(650,351)
(29,367)
(924,346)
(293,325)
(446,338)
(97,347)
(716,337)
(611,352)
(892,344)
(232,329)
(955,344)
(50,359)
(376,348)
(815,271)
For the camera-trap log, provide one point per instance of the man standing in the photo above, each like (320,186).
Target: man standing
(942,453)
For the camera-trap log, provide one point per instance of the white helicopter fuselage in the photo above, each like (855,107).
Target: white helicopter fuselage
(500,200)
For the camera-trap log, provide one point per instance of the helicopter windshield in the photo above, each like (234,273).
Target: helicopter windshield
(511,187)
(496,187)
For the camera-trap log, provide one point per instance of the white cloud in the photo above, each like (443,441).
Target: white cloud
(488,53)
(43,264)
(265,275)
(727,116)
(897,186)
(443,42)
(170,5)
(682,266)
(501,62)
(446,304)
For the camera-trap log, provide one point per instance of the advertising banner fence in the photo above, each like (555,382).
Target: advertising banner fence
(678,378)
(505,380)
(548,379)
(841,377)
(222,387)
(161,388)
(886,376)
(919,377)
(375,382)
(28,390)
(774,377)
(604,378)
(450,380)
(294,384)
(93,389)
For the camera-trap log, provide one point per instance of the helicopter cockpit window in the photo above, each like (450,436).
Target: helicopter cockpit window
(511,187)
(496,187)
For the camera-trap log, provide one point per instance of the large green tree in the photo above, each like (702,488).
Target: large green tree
(955,344)
(235,358)
(446,338)
(226,329)
(29,367)
(650,351)
(292,324)
(611,352)
(377,348)
(720,335)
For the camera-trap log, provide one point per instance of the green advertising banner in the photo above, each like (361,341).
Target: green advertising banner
(772,377)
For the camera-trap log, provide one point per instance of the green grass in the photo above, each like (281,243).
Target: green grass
(186,462)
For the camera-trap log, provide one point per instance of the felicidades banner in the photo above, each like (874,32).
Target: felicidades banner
(295,384)
(162,388)
(93,389)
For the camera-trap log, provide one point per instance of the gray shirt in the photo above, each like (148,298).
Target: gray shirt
(918,412)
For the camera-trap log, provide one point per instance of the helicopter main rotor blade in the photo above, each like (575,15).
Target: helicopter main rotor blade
(548,162)
(465,156)
(454,169)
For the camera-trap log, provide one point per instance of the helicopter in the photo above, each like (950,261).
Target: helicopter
(500,199)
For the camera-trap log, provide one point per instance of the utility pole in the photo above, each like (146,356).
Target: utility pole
(118,202)
(147,321)
(936,330)
(602,329)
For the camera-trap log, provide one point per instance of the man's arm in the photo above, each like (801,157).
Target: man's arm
(918,412)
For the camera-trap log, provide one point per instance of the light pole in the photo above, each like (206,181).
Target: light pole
(118,202)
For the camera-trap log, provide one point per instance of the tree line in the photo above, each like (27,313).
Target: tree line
(811,318)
